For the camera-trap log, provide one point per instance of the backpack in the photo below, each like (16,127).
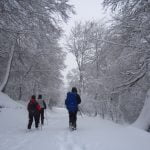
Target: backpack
(33,106)
(41,103)
(71,102)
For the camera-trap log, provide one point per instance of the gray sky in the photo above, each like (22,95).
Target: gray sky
(85,10)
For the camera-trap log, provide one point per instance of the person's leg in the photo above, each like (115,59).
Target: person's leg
(70,119)
(74,119)
(30,120)
(36,118)
(38,114)
(42,116)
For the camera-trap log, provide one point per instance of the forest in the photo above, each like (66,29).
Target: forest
(113,57)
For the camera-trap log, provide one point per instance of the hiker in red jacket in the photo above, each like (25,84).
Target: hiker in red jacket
(33,109)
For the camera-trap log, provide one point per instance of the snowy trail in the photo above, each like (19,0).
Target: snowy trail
(91,134)
(69,143)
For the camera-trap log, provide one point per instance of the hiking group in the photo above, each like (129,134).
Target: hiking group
(36,109)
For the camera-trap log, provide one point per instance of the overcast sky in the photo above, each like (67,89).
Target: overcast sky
(85,10)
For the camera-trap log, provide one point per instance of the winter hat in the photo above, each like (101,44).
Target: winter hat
(33,97)
(40,96)
(74,89)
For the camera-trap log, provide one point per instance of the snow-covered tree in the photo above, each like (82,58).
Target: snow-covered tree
(78,44)
(132,26)
(31,29)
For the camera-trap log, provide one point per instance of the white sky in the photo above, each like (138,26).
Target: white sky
(85,10)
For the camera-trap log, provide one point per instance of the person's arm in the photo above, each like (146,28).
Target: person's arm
(44,104)
(66,102)
(78,99)
(28,106)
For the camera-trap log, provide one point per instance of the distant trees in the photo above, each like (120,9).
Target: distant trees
(30,55)
(116,60)
(132,25)
(79,46)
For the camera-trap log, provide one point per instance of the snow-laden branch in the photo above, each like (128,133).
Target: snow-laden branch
(15,31)
(3,53)
(114,43)
(131,82)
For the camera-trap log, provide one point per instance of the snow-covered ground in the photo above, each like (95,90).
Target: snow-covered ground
(92,133)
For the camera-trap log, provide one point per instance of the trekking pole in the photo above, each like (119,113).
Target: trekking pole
(46,117)
(79,109)
(40,122)
(41,126)
(80,113)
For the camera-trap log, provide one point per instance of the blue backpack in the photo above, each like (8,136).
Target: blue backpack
(71,102)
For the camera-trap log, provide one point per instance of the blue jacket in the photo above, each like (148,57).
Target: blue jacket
(72,101)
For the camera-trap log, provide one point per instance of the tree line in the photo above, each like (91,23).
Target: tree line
(113,60)
(31,58)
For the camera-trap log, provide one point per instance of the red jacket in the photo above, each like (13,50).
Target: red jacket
(33,106)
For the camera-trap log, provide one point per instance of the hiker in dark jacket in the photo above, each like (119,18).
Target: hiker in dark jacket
(72,101)
(42,104)
(33,109)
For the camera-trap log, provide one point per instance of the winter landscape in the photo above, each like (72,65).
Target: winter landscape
(75,74)
(93,133)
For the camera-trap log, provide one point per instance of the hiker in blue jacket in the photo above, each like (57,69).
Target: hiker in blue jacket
(71,102)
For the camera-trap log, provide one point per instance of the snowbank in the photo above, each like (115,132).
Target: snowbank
(92,133)
(143,121)
(7,102)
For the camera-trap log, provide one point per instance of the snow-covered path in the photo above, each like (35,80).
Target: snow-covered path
(92,133)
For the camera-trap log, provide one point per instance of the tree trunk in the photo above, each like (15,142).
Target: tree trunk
(4,82)
(143,121)
(20,93)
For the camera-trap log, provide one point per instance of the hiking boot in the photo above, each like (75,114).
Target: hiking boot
(29,127)
(74,128)
(70,126)
(42,122)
